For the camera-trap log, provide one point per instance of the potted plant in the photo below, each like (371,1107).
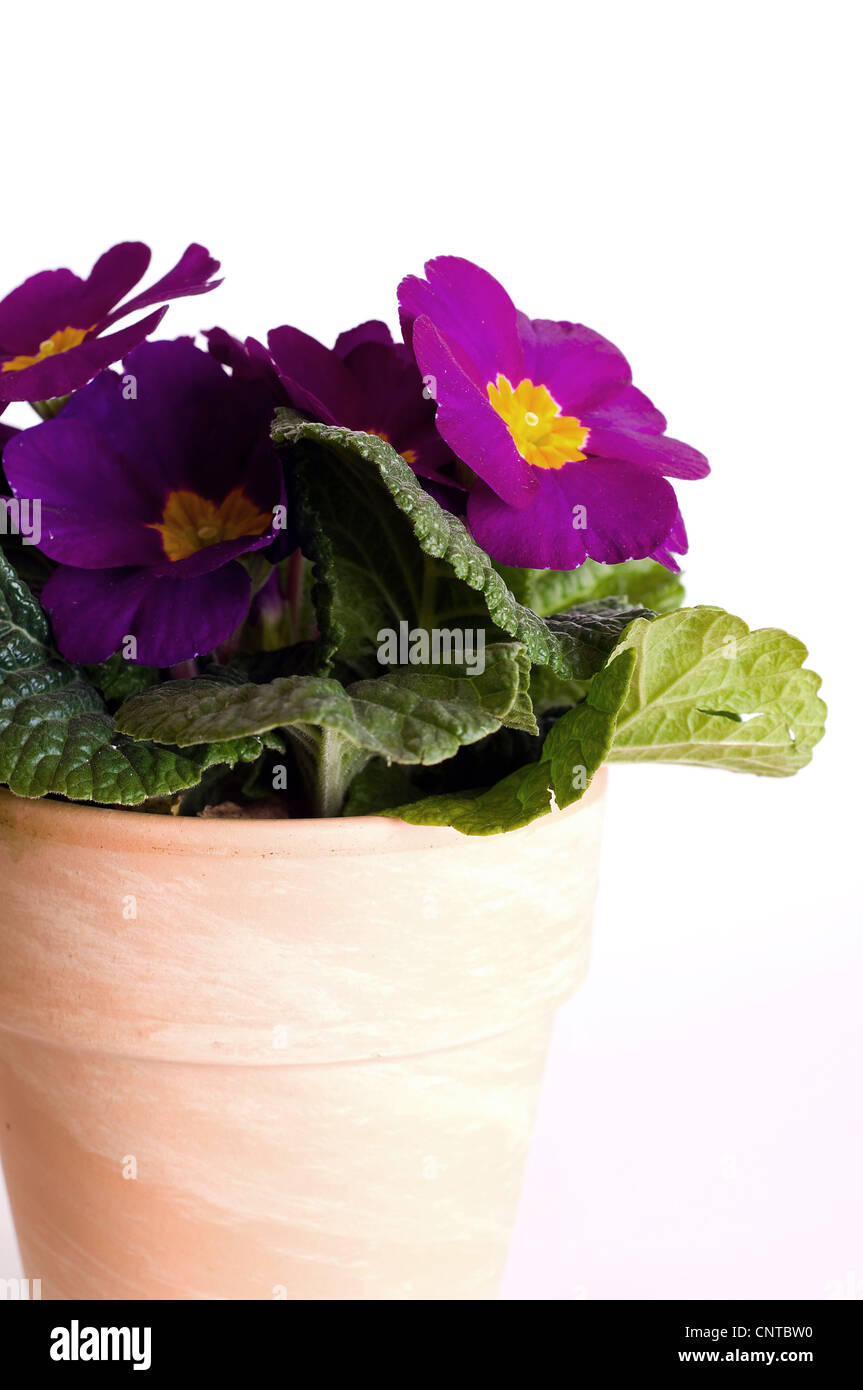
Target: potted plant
(357,630)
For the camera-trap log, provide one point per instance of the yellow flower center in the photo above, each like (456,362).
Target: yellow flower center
(409,455)
(191,522)
(544,437)
(61,341)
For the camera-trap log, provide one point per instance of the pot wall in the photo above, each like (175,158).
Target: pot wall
(277,1059)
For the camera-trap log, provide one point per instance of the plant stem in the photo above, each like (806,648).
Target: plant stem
(427,606)
(294,590)
(46,410)
(328,763)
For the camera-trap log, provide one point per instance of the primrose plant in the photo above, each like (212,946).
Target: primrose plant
(434,578)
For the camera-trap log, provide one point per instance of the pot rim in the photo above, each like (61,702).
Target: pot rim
(71,822)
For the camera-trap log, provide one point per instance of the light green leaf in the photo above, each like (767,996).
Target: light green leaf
(575,748)
(641,583)
(707,690)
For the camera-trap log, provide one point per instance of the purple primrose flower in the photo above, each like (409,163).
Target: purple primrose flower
(53,327)
(248,360)
(366,382)
(152,486)
(571,459)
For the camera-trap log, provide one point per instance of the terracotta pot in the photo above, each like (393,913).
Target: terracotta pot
(293,1059)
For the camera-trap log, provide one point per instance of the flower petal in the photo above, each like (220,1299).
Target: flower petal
(106,465)
(469,307)
(626,513)
(670,457)
(212,557)
(579,367)
(65,372)
(675,543)
(94,509)
(248,360)
(94,611)
(57,299)
(630,409)
(191,275)
(113,275)
(467,420)
(36,309)
(371,332)
(394,405)
(189,424)
(315,379)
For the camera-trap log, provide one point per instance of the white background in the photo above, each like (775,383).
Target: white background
(684,178)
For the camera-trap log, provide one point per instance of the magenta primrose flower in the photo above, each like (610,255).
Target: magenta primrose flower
(571,459)
(149,499)
(54,328)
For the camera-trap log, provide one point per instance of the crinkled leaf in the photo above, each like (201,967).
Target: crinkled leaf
(56,737)
(592,631)
(315,545)
(475,765)
(643,583)
(24,632)
(397,554)
(550,692)
(575,748)
(707,690)
(407,716)
(599,624)
(116,679)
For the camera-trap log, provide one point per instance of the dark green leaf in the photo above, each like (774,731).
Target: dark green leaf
(56,737)
(117,678)
(575,748)
(406,715)
(397,555)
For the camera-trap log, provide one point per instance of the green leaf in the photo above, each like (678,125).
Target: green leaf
(378,785)
(32,567)
(575,748)
(24,632)
(643,583)
(397,555)
(56,737)
(117,679)
(549,692)
(406,716)
(593,630)
(709,691)
(315,546)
